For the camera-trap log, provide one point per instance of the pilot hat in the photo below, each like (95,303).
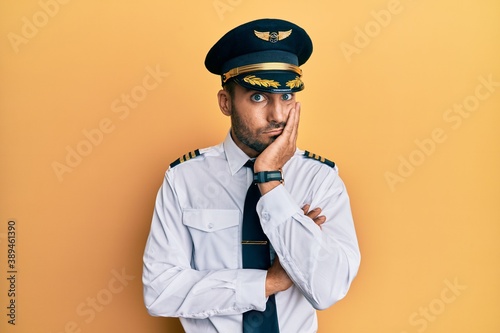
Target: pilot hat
(262,55)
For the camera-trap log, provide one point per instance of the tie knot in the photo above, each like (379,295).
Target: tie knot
(249,164)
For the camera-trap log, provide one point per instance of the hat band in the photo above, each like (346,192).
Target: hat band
(266,66)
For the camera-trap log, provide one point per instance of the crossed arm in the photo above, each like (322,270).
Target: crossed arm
(277,279)
(300,238)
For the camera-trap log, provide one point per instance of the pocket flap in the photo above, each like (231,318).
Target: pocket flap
(210,220)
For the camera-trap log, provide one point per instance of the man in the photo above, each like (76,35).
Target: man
(222,263)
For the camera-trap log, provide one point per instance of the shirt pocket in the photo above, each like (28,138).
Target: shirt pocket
(215,235)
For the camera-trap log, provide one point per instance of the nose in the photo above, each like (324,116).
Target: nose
(278,110)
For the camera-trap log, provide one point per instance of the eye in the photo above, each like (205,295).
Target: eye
(257,98)
(286,97)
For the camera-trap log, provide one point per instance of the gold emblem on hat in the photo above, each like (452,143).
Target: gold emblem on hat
(257,81)
(273,37)
(295,83)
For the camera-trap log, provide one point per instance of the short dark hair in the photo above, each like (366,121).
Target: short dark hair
(229,87)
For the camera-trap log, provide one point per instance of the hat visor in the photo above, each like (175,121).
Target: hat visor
(271,81)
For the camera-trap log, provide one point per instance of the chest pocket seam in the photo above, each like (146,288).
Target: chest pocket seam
(210,220)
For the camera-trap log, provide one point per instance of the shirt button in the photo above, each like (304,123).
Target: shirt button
(266,216)
(210,226)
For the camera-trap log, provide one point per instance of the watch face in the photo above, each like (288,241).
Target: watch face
(267,176)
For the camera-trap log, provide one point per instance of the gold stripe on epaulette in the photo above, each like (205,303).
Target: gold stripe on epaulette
(188,156)
(319,158)
(185,157)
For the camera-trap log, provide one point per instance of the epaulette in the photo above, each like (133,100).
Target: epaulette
(185,157)
(319,158)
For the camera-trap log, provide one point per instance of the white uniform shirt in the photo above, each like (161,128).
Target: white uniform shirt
(193,263)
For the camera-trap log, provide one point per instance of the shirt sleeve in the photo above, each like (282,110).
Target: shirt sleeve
(173,289)
(322,262)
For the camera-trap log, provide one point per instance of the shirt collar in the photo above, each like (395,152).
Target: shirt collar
(236,158)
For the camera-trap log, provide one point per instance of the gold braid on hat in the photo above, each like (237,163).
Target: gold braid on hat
(266,66)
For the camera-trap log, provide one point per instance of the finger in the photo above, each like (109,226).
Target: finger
(314,213)
(298,107)
(319,221)
(288,131)
(295,122)
(305,208)
(290,122)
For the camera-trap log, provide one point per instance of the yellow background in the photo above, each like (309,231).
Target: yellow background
(436,225)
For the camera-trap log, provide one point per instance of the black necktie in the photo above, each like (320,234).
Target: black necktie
(256,255)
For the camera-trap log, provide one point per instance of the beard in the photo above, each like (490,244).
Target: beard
(249,138)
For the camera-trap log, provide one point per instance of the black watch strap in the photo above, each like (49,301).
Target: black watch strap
(267,176)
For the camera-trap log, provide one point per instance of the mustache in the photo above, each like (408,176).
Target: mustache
(274,125)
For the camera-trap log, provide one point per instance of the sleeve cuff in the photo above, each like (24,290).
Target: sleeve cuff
(251,289)
(275,207)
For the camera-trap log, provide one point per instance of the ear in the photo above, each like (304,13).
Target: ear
(224,102)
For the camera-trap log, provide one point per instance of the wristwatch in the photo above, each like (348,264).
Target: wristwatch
(267,176)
